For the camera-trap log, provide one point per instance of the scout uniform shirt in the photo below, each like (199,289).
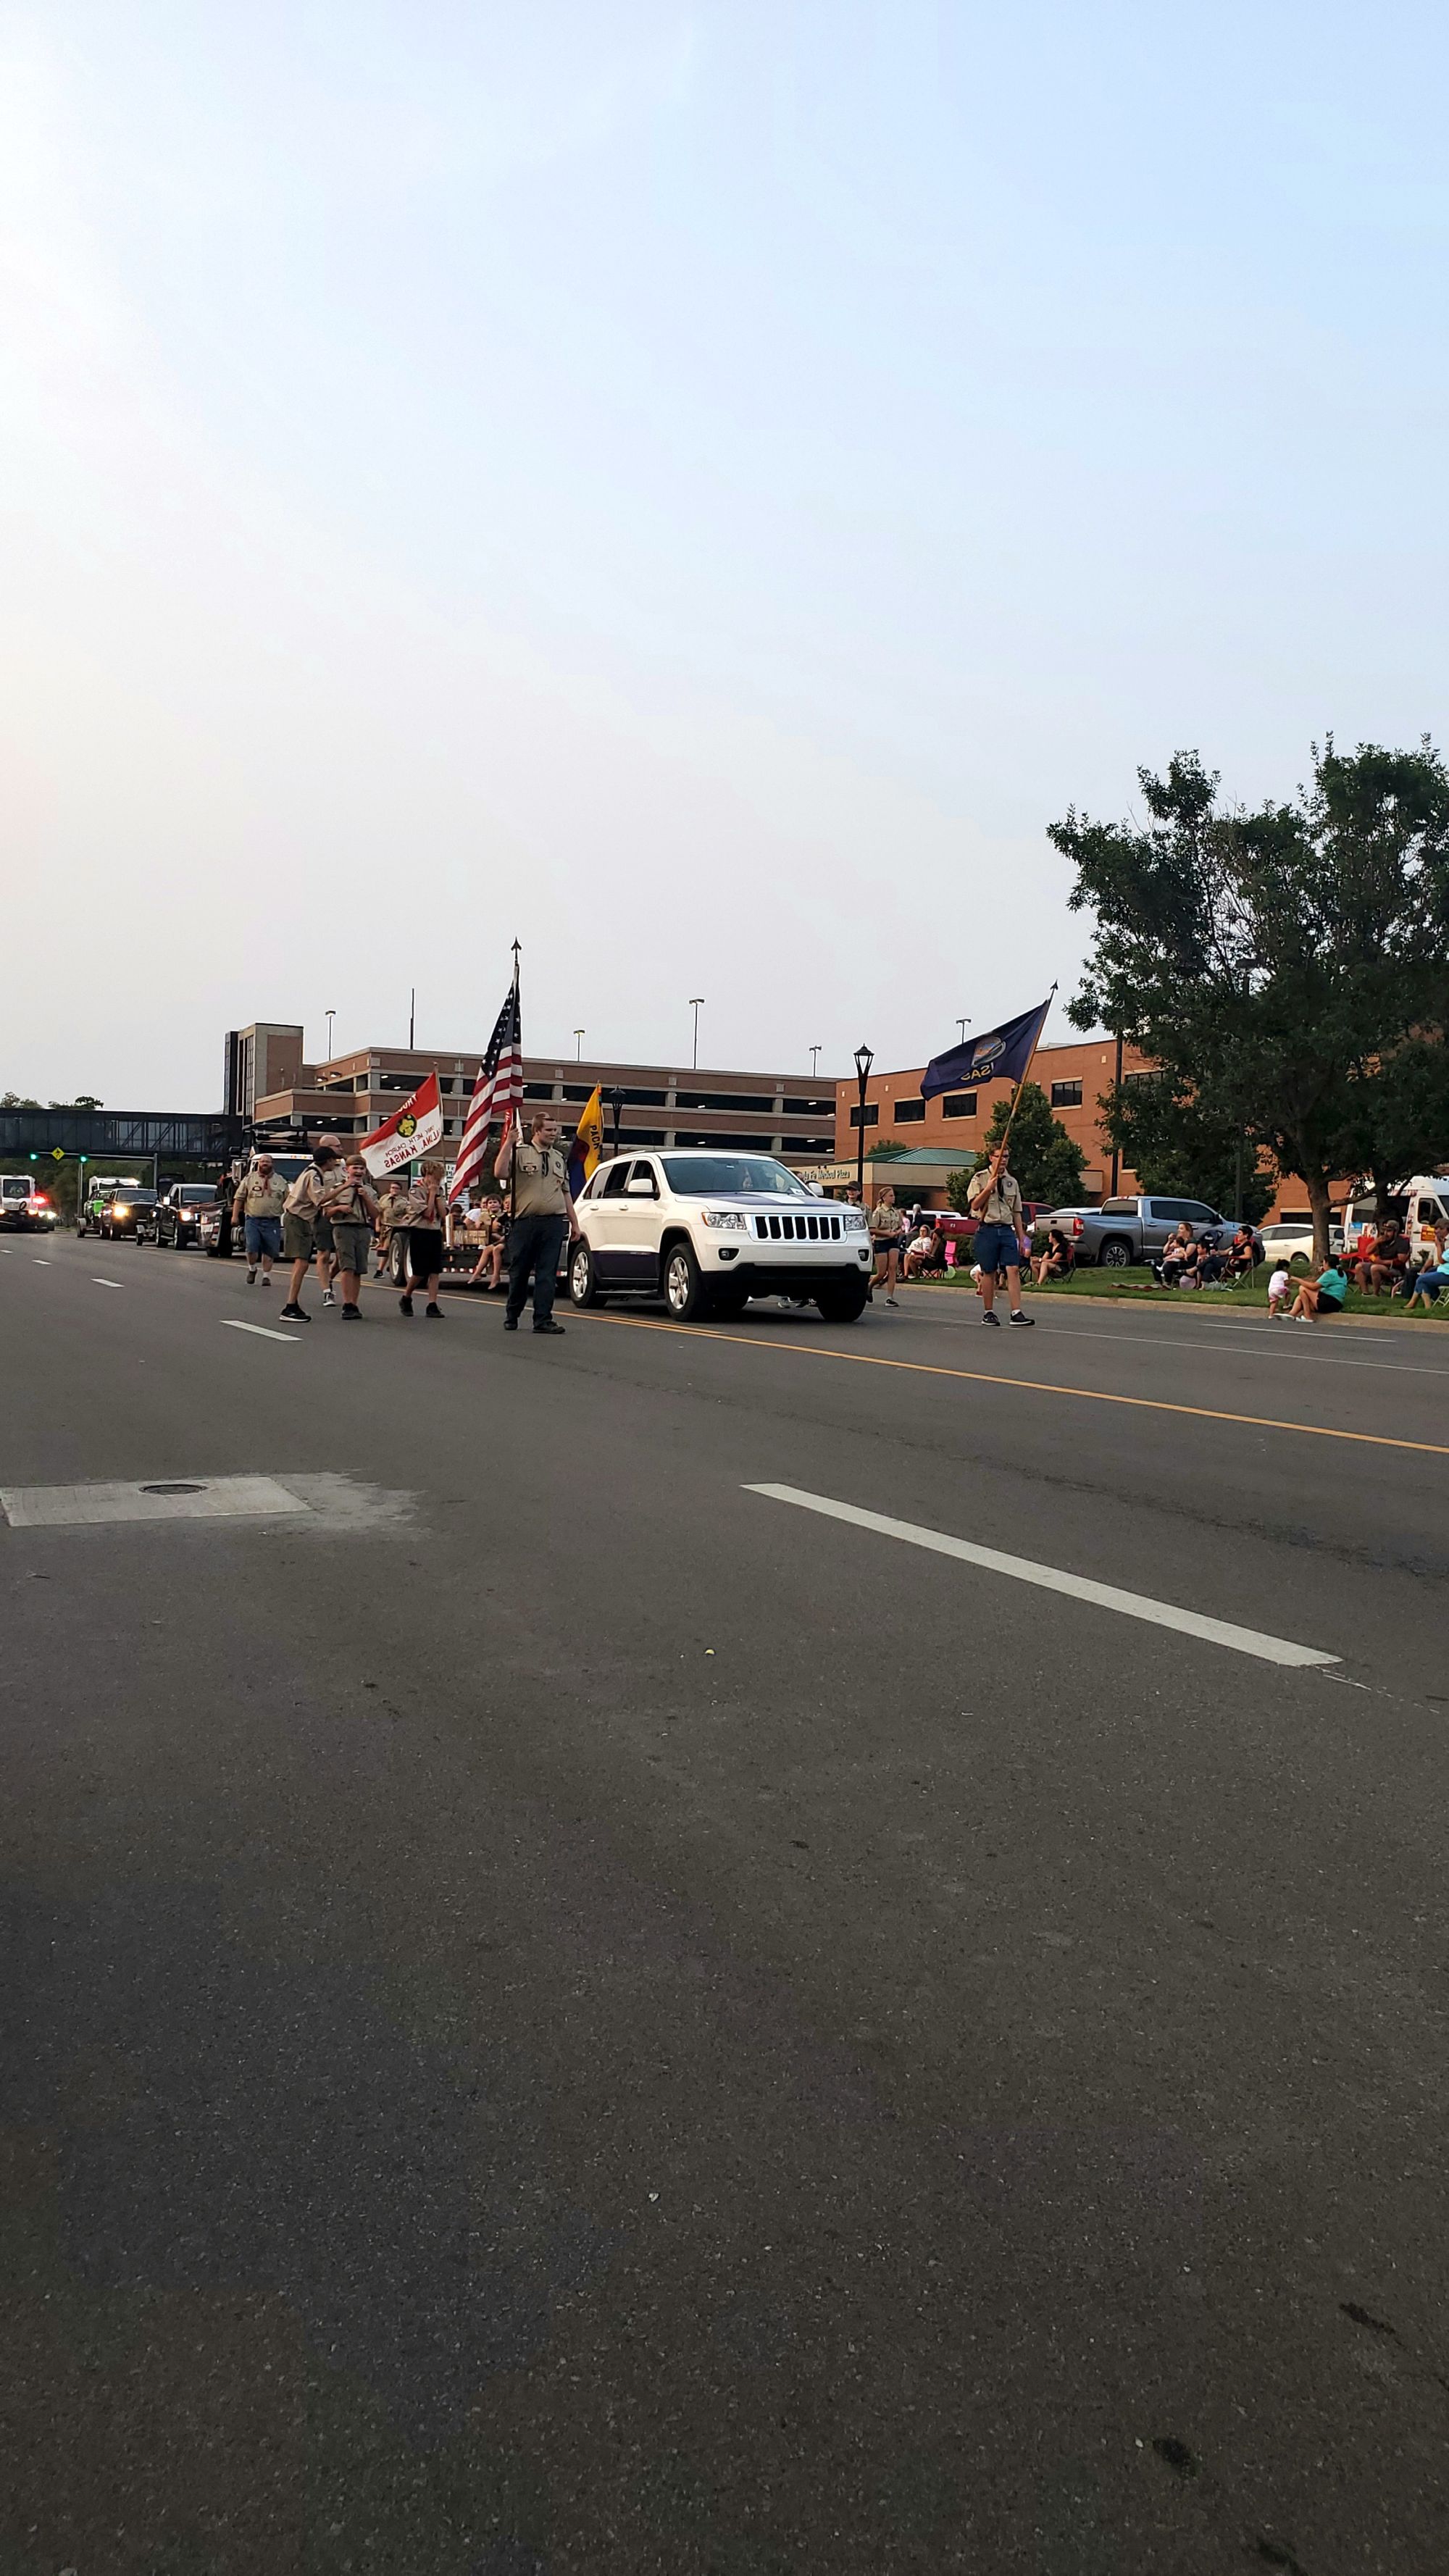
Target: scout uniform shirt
(262,1198)
(542,1181)
(999,1203)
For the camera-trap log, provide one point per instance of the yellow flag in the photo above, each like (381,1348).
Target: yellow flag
(588,1142)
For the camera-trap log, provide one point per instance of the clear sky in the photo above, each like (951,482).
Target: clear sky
(697,486)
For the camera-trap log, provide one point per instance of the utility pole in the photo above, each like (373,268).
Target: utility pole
(864,1059)
(1116,1151)
(696,1004)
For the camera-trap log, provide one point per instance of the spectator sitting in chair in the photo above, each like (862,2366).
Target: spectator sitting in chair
(1059,1259)
(1244,1253)
(917,1252)
(1383,1261)
(1179,1256)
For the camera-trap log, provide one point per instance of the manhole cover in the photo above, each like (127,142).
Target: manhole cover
(173,1489)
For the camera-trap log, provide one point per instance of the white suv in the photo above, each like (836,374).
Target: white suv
(709,1230)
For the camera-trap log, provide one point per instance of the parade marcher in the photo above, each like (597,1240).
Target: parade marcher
(542,1209)
(391,1216)
(300,1217)
(994,1199)
(322,1235)
(351,1210)
(422,1220)
(886,1223)
(257,1208)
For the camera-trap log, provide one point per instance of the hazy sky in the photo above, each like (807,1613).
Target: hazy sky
(699,486)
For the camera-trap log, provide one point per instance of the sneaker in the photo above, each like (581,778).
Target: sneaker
(405,1305)
(991,1317)
(266,1278)
(352,1314)
(548,1326)
(295,1315)
(892,1301)
(510,1323)
(435,1311)
(327,1297)
(1020,1316)
(251,1274)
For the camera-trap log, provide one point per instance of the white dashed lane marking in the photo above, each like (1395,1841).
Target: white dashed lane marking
(1048,1578)
(105,1283)
(264,1332)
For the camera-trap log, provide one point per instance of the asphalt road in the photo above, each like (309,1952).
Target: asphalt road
(564,2014)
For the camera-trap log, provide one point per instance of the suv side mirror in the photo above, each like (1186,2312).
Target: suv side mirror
(640,1190)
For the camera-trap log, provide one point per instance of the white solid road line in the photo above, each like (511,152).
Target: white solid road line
(106,1283)
(264,1332)
(1105,1596)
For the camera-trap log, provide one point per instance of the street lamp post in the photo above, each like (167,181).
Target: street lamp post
(814,1062)
(864,1059)
(696,1004)
(329,1016)
(579,1036)
(961,1025)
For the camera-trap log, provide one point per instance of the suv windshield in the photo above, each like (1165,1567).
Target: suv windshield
(194,1193)
(705,1176)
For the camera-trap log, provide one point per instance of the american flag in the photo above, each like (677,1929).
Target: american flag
(497,1093)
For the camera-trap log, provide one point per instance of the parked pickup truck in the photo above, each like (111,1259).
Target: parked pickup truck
(1123,1231)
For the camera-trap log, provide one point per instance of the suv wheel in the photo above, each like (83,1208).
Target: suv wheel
(842,1301)
(1116,1253)
(583,1285)
(684,1290)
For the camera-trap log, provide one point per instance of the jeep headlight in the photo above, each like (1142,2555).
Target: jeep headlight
(726,1220)
(853,1220)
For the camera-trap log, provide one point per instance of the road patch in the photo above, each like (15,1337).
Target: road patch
(1049,1578)
(208,1498)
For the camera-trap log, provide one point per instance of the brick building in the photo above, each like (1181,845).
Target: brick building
(270,1083)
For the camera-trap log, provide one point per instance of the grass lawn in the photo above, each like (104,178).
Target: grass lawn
(1251,1293)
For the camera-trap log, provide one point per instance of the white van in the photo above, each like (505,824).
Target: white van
(1419,1205)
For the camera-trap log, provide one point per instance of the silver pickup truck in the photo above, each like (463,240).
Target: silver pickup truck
(1123,1231)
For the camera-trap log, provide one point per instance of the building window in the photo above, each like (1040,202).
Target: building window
(735,1100)
(809,1108)
(1066,1095)
(959,1104)
(538,1091)
(872,1114)
(908,1112)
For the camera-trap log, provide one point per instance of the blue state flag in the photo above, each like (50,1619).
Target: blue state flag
(1001,1055)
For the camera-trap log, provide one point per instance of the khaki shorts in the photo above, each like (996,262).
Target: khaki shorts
(352,1243)
(297,1239)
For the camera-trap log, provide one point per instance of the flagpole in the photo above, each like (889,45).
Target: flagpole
(518,1112)
(1000,1155)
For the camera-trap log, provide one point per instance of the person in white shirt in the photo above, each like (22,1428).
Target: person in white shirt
(1278,1287)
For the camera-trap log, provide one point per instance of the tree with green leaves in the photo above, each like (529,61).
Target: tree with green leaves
(1273,963)
(1171,1140)
(1048,1163)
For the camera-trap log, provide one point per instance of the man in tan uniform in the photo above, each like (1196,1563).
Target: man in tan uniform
(994,1199)
(542,1208)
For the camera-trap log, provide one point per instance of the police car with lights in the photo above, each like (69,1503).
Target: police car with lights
(707,1230)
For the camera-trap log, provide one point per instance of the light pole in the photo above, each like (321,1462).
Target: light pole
(579,1036)
(864,1059)
(696,1004)
(961,1025)
(329,1016)
(814,1062)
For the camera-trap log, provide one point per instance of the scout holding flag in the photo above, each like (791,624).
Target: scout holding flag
(993,1196)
